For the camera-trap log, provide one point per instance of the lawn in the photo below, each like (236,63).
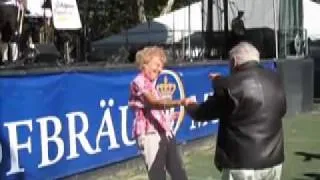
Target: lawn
(302,149)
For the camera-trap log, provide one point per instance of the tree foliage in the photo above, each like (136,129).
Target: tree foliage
(107,17)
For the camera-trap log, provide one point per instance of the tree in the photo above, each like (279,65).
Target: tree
(107,17)
(168,7)
(141,12)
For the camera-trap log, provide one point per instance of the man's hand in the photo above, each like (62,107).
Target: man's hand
(214,76)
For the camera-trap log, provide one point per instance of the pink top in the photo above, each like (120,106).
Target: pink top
(146,120)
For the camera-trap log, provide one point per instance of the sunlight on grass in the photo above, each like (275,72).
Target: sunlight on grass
(301,135)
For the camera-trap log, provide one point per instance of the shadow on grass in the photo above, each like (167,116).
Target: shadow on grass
(308,156)
(314,176)
(309,176)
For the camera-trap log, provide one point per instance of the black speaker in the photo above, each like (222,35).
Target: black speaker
(47,53)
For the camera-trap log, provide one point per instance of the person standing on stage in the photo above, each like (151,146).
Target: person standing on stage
(238,29)
(151,127)
(9,30)
(250,104)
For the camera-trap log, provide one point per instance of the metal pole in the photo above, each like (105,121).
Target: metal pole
(275,7)
(219,13)
(85,34)
(226,26)
(202,29)
(202,18)
(189,32)
(306,41)
(173,42)
(209,29)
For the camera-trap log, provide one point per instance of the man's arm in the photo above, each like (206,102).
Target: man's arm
(216,106)
(205,111)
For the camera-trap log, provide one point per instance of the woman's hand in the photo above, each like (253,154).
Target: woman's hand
(169,134)
(188,101)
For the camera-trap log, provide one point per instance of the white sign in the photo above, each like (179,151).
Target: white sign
(66,15)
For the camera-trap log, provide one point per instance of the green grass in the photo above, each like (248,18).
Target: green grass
(302,134)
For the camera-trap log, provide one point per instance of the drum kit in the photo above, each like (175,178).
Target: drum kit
(36,27)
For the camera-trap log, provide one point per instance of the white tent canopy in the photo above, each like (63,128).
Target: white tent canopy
(311,12)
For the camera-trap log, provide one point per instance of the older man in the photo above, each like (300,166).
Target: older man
(250,104)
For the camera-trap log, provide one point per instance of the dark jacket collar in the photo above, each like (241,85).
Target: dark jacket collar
(247,65)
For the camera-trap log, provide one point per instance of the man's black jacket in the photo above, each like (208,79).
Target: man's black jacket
(250,104)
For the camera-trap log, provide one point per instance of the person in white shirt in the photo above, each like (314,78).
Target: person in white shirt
(9,29)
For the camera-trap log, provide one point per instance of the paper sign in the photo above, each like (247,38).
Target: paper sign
(66,15)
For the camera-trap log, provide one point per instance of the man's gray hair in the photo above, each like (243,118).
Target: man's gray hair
(244,52)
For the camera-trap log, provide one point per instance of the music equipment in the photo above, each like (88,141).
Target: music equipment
(46,53)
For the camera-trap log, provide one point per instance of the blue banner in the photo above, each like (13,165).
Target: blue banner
(56,125)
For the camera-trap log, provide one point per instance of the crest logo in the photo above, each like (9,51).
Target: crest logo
(166,89)
(170,86)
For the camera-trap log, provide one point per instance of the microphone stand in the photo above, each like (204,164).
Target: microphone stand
(85,33)
(46,4)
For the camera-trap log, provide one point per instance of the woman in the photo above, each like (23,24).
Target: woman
(151,127)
